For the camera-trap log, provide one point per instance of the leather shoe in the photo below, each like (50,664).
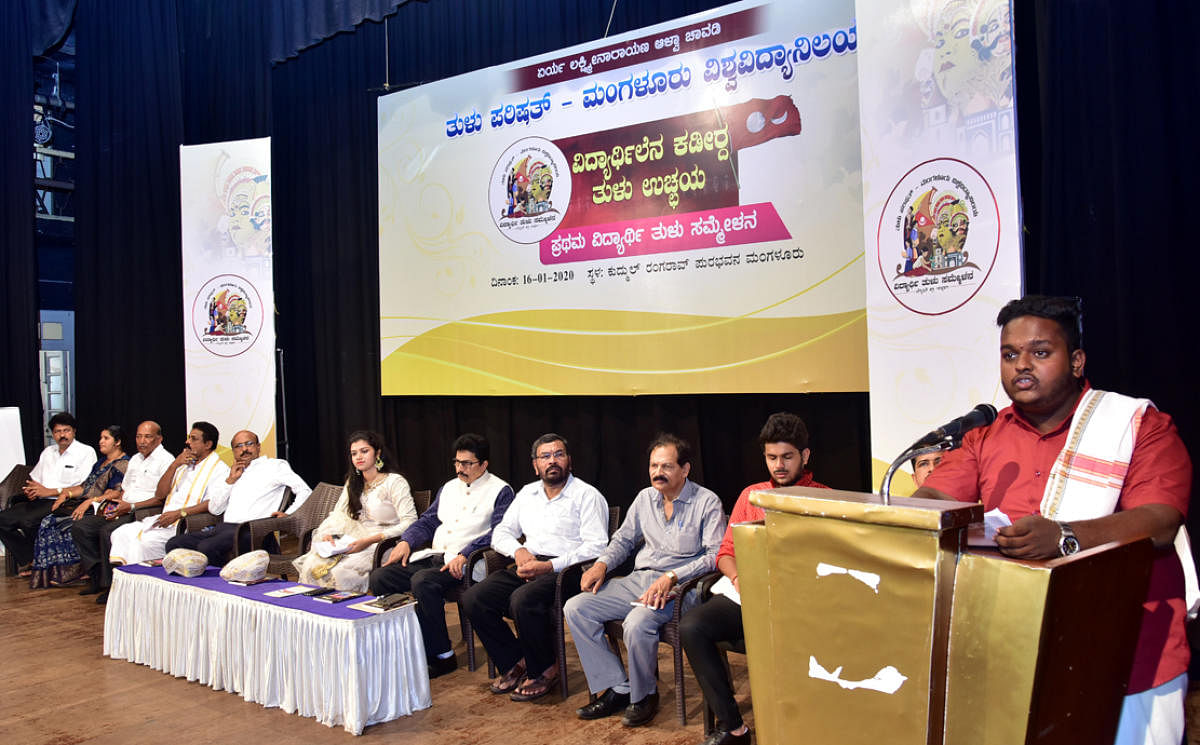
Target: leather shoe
(102,598)
(439,667)
(641,712)
(725,737)
(605,705)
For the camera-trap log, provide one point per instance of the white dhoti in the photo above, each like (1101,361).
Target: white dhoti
(1154,717)
(140,541)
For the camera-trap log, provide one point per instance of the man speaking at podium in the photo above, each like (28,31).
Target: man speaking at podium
(1074,467)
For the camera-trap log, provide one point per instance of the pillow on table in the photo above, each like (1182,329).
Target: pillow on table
(249,567)
(185,562)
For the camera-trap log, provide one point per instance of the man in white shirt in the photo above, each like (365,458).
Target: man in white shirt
(196,476)
(564,521)
(458,523)
(64,464)
(93,528)
(256,486)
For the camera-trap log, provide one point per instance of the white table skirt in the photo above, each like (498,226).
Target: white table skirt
(349,672)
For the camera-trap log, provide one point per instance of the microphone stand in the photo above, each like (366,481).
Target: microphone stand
(885,489)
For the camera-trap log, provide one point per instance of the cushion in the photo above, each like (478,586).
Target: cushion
(249,567)
(185,562)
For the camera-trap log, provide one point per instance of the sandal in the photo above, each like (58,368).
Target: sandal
(510,680)
(533,688)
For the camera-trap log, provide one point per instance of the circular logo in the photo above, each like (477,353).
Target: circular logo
(227,315)
(938,236)
(529,190)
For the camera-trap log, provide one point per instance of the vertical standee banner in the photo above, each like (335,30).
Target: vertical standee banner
(941,210)
(228,293)
(671,210)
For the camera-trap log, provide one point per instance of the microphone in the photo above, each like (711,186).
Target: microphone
(981,416)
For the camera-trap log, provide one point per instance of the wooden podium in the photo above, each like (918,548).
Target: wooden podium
(868,623)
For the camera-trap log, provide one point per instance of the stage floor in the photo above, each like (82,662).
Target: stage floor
(58,689)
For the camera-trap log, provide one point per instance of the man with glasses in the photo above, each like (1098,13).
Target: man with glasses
(564,521)
(459,522)
(255,488)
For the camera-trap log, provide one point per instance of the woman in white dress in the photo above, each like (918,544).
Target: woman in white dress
(376,504)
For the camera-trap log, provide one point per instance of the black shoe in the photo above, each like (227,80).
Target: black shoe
(605,705)
(439,667)
(641,712)
(92,588)
(102,598)
(725,737)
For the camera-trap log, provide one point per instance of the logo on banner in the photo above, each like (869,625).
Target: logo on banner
(938,236)
(227,315)
(529,190)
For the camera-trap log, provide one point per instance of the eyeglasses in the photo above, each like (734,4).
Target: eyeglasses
(547,457)
(248,443)
(465,463)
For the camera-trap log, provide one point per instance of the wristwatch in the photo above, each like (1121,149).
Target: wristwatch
(674,577)
(1067,543)
(183,513)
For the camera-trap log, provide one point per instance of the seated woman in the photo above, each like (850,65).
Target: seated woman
(55,560)
(376,503)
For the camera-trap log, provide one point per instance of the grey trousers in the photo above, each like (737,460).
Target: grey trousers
(586,614)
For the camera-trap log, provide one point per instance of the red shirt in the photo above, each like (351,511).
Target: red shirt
(744,512)
(1006,466)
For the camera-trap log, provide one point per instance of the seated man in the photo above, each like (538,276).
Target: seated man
(1037,464)
(459,522)
(923,465)
(64,464)
(92,530)
(679,525)
(564,521)
(195,476)
(256,485)
(784,442)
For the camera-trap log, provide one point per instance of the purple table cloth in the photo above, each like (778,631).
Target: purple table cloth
(328,661)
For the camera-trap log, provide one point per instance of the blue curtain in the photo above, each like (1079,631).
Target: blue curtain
(296,25)
(18,287)
(49,21)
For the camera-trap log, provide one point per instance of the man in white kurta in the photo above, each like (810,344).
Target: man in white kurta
(256,487)
(196,476)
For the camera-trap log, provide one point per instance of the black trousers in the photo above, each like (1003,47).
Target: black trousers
(19,526)
(93,541)
(718,619)
(429,586)
(530,604)
(215,542)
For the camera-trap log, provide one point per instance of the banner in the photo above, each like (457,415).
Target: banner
(942,211)
(228,293)
(672,210)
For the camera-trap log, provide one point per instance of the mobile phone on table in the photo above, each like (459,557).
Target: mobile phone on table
(318,591)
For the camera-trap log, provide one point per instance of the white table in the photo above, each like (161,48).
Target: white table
(332,663)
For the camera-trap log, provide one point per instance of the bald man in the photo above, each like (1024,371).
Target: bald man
(256,485)
(94,523)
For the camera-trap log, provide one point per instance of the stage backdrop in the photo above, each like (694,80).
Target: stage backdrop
(228,295)
(673,210)
(941,217)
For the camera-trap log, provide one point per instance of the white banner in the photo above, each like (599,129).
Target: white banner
(941,210)
(228,294)
(671,210)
